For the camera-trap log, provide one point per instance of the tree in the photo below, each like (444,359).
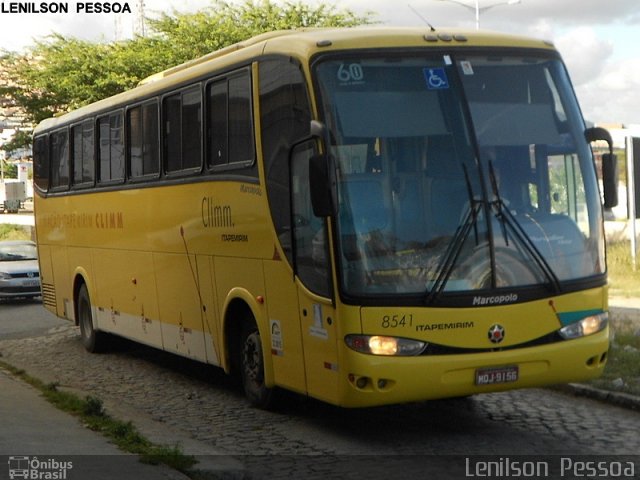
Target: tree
(9,170)
(60,73)
(189,36)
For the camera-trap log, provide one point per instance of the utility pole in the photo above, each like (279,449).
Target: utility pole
(477,9)
(140,28)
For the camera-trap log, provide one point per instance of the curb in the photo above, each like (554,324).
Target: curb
(211,463)
(618,399)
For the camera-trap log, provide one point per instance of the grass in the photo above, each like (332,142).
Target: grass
(14,232)
(624,281)
(622,372)
(91,412)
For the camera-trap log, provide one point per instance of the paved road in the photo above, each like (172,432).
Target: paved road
(200,402)
(25,318)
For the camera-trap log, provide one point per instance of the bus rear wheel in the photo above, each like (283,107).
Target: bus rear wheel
(92,340)
(252,367)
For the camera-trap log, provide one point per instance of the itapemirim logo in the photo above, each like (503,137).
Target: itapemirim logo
(34,468)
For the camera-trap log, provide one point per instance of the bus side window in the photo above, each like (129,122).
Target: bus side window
(285,114)
(59,160)
(41,162)
(143,140)
(110,148)
(217,124)
(241,145)
(230,140)
(182,132)
(83,154)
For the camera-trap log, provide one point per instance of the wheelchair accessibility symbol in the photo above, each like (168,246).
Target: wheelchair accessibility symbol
(436,78)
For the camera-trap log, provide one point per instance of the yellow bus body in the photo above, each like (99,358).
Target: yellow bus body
(167,265)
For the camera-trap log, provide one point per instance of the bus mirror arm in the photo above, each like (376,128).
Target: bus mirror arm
(320,130)
(609,166)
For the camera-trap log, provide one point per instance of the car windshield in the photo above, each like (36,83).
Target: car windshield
(17,251)
(459,174)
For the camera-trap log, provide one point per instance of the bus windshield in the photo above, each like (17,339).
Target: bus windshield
(459,173)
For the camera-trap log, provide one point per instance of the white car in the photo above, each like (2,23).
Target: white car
(19,272)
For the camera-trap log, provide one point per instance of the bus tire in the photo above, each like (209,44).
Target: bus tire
(92,340)
(251,363)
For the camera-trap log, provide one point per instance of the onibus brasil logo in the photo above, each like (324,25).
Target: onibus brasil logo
(37,469)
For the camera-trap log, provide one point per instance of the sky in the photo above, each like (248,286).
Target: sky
(598,40)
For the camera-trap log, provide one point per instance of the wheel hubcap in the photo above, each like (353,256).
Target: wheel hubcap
(252,360)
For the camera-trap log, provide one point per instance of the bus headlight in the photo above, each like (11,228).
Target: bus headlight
(380,345)
(586,326)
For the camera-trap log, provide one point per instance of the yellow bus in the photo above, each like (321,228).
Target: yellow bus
(364,216)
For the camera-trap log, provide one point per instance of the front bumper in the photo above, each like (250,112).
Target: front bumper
(369,380)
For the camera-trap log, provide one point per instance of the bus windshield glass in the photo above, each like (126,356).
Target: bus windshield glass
(459,174)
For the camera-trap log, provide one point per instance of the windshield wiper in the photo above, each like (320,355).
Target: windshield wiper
(508,225)
(507,219)
(450,259)
(498,204)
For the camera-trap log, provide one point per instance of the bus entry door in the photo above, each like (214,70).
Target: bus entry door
(302,333)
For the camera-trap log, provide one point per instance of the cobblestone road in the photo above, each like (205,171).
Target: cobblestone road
(204,403)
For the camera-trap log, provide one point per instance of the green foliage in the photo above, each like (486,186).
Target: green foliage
(191,35)
(93,407)
(19,140)
(622,372)
(59,73)
(171,456)
(624,281)
(13,232)
(10,169)
(63,400)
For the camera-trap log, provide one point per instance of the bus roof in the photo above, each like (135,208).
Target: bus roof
(300,43)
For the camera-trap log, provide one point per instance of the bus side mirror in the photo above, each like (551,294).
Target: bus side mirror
(610,180)
(609,166)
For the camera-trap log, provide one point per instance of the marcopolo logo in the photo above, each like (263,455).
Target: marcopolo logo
(38,469)
(495,300)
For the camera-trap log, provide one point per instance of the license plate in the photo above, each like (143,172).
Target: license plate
(31,283)
(493,375)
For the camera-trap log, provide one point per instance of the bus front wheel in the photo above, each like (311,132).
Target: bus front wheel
(92,340)
(252,367)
